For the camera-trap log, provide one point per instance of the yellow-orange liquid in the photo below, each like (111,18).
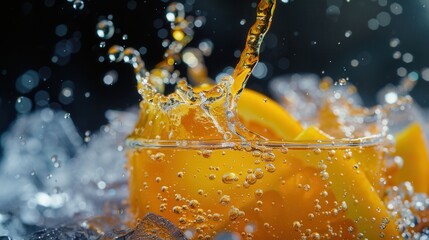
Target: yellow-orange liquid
(197,166)
(262,192)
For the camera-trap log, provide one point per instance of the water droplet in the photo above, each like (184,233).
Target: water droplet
(175,12)
(105,29)
(101,185)
(348,33)
(78,4)
(116,53)
(23,105)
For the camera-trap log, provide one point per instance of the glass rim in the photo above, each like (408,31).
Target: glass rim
(136,143)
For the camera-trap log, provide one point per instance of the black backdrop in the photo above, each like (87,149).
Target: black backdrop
(306,36)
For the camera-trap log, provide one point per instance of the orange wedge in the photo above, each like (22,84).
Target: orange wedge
(351,185)
(264,116)
(319,192)
(411,146)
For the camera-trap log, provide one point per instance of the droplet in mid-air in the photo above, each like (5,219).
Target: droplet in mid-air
(105,29)
(175,12)
(116,53)
(78,4)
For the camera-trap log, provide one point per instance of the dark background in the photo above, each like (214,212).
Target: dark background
(306,36)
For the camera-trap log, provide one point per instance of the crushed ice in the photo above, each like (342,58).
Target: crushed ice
(49,175)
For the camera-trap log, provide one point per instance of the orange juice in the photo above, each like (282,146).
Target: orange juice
(220,158)
(269,190)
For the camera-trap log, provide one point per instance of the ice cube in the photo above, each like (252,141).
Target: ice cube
(67,232)
(156,227)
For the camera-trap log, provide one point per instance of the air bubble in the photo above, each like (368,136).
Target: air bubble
(270,167)
(259,173)
(296,225)
(306,187)
(268,156)
(259,193)
(225,200)
(251,179)
(194,204)
(233,213)
(229,178)
(212,176)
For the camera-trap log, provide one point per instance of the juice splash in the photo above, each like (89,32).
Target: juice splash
(197,164)
(211,109)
